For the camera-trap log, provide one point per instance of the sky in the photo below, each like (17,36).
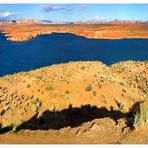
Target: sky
(74,12)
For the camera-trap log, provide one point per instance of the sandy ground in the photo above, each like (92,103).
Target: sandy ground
(95,135)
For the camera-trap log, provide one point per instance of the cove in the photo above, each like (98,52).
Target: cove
(45,50)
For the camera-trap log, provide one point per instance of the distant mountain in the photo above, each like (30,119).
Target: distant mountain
(47,21)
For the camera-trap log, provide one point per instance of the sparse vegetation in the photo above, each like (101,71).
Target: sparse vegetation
(94,93)
(67,92)
(104,101)
(97,84)
(83,67)
(36,103)
(89,87)
(49,87)
(28,86)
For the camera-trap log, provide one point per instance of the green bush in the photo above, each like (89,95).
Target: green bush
(89,87)
(67,92)
(36,104)
(49,87)
(94,93)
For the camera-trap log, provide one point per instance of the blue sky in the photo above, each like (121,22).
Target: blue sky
(74,12)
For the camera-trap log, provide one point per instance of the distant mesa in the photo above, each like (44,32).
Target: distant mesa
(34,21)
(116,21)
(20,21)
(47,21)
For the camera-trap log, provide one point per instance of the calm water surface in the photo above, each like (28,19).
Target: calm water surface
(58,48)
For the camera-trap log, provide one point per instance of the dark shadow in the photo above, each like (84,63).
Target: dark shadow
(72,117)
(130,118)
(5,129)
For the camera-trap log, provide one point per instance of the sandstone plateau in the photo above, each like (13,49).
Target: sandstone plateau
(106,31)
(77,101)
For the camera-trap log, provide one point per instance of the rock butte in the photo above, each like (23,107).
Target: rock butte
(109,31)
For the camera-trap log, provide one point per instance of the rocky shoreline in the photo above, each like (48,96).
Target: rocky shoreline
(27,32)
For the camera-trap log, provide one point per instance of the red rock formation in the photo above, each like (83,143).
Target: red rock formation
(17,22)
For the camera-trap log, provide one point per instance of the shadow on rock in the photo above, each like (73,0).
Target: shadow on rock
(5,129)
(71,117)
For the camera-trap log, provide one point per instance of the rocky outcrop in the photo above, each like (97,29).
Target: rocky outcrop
(73,89)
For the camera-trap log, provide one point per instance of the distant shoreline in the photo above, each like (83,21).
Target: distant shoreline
(109,31)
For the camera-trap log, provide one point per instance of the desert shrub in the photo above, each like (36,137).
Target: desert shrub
(36,103)
(49,87)
(28,86)
(89,87)
(122,95)
(67,92)
(94,93)
(123,90)
(69,75)
(121,83)
(39,77)
(95,76)
(100,85)
(17,125)
(104,101)
(83,67)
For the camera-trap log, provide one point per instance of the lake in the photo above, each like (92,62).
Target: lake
(56,48)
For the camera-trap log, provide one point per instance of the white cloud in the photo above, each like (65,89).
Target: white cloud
(49,8)
(59,7)
(98,18)
(7,14)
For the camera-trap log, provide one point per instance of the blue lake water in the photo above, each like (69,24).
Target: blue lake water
(58,48)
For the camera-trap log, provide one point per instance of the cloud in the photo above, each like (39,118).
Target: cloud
(98,18)
(81,7)
(50,8)
(7,14)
